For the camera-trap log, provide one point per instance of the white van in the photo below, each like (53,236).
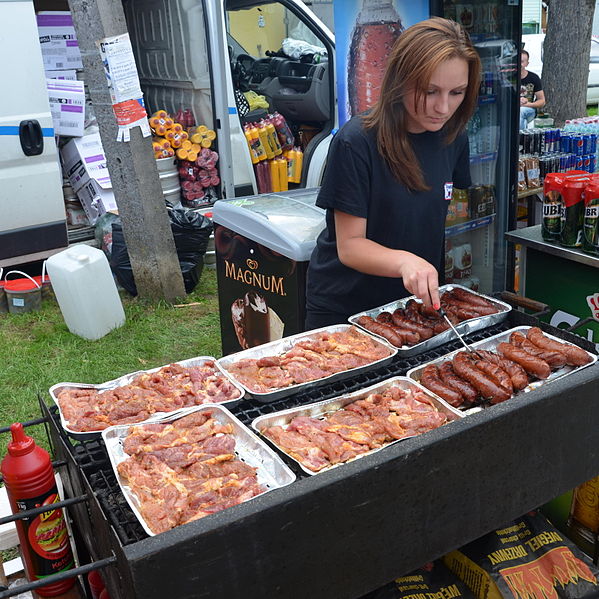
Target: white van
(533,44)
(203,54)
(32,214)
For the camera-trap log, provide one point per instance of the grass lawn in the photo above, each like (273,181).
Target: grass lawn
(37,350)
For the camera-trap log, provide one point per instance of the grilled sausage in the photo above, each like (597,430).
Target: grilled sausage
(381,329)
(487,385)
(533,365)
(431,380)
(480,310)
(384,318)
(517,373)
(497,372)
(471,298)
(555,359)
(401,321)
(575,356)
(450,378)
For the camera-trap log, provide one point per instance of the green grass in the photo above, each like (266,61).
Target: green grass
(591,110)
(37,350)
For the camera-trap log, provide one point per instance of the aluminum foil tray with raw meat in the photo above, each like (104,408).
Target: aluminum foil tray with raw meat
(500,367)
(280,368)
(188,465)
(410,342)
(327,434)
(85,410)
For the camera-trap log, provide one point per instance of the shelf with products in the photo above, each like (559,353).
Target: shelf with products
(469,225)
(525,193)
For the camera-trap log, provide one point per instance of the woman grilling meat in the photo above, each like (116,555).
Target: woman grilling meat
(389,179)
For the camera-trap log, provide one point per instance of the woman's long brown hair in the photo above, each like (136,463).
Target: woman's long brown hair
(419,50)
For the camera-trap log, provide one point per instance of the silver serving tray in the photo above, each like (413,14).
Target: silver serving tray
(490,344)
(272,472)
(125,380)
(283,345)
(319,409)
(465,327)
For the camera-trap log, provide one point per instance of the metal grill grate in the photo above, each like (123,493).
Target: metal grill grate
(92,458)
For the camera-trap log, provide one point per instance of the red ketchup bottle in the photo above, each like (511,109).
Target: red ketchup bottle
(29,481)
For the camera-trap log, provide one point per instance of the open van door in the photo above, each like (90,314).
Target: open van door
(204,54)
(32,213)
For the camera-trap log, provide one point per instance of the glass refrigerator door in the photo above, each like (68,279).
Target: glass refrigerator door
(478,217)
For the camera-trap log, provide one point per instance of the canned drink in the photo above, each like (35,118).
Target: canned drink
(526,142)
(586,163)
(565,142)
(579,163)
(552,206)
(590,223)
(577,145)
(586,143)
(563,163)
(593,165)
(593,143)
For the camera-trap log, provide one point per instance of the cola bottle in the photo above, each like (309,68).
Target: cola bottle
(377,27)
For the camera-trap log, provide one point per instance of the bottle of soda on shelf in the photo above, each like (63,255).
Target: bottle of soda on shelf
(377,27)
(44,539)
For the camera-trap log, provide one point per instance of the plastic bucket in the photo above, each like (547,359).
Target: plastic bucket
(43,281)
(22,295)
(3,302)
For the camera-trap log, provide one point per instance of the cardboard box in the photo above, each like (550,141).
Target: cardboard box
(96,200)
(68,75)
(83,159)
(58,41)
(84,164)
(67,106)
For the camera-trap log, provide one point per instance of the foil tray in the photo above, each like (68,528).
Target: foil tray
(125,380)
(490,344)
(283,345)
(465,327)
(272,472)
(316,410)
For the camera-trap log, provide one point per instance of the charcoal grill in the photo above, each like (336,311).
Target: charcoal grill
(345,532)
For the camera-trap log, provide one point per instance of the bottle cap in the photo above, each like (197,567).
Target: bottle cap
(21,443)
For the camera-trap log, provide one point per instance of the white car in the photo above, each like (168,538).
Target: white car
(533,44)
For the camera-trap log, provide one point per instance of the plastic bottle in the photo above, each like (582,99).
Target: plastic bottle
(273,139)
(29,481)
(257,142)
(282,166)
(274,175)
(85,290)
(377,27)
(297,167)
(290,159)
(284,134)
(263,133)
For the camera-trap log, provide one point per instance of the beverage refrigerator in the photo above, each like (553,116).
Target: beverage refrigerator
(476,251)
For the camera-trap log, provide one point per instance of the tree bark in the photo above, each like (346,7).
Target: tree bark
(566,56)
(131,164)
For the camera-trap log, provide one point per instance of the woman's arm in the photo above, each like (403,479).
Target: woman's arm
(361,254)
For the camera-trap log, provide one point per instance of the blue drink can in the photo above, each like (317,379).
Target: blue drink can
(579,163)
(563,163)
(586,143)
(565,142)
(577,145)
(586,163)
(593,143)
(593,163)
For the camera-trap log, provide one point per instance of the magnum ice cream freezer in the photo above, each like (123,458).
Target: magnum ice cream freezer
(263,245)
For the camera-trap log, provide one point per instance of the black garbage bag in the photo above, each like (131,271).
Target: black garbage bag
(191,232)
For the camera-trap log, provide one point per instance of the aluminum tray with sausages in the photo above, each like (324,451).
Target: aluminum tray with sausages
(500,367)
(283,367)
(411,327)
(329,433)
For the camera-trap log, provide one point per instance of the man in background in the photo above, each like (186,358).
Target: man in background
(531,92)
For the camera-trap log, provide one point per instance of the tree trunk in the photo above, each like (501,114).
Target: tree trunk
(131,164)
(566,55)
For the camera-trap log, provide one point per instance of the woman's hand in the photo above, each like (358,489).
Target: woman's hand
(421,279)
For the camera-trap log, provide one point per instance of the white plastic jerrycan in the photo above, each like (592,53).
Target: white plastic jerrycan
(85,290)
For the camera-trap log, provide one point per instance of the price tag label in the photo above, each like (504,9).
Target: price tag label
(593,302)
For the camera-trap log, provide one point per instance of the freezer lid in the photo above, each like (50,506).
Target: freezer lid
(278,221)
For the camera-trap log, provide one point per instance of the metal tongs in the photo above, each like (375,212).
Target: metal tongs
(471,351)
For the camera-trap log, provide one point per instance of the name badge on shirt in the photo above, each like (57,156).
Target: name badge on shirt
(448,191)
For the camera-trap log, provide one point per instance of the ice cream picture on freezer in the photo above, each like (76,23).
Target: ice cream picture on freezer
(255,323)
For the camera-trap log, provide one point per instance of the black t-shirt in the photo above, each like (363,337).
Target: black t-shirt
(530,85)
(358,181)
